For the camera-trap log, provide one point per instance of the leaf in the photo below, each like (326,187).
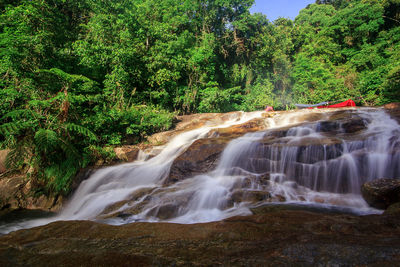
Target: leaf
(10,128)
(15,114)
(46,140)
(81,130)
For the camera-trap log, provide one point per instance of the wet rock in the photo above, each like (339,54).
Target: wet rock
(271,238)
(164,212)
(200,157)
(239,130)
(328,126)
(141,195)
(278,198)
(273,207)
(148,200)
(381,193)
(354,125)
(346,121)
(252,196)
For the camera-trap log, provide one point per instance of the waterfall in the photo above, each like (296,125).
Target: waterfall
(322,160)
(332,161)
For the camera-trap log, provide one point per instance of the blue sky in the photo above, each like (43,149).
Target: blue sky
(280,8)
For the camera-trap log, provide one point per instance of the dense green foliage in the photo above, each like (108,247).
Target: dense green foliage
(81,76)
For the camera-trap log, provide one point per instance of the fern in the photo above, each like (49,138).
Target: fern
(46,140)
(10,128)
(16,114)
(81,130)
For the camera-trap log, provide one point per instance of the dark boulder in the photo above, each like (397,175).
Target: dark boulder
(354,125)
(393,209)
(200,157)
(381,193)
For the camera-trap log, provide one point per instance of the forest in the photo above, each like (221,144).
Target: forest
(79,77)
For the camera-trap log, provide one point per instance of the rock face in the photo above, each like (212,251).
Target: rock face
(15,193)
(381,193)
(275,238)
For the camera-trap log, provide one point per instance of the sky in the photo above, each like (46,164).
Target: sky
(279,8)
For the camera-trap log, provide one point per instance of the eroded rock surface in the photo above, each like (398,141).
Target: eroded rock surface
(270,238)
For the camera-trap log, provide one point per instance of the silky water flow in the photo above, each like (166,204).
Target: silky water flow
(312,163)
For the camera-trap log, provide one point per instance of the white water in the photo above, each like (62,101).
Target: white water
(324,174)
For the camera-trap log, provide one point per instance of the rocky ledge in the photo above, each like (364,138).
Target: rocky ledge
(273,237)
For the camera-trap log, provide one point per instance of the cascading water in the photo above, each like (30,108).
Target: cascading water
(322,160)
(337,160)
(114,184)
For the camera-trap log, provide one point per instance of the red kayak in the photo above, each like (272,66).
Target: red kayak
(347,103)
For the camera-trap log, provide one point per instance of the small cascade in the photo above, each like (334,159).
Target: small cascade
(339,160)
(312,157)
